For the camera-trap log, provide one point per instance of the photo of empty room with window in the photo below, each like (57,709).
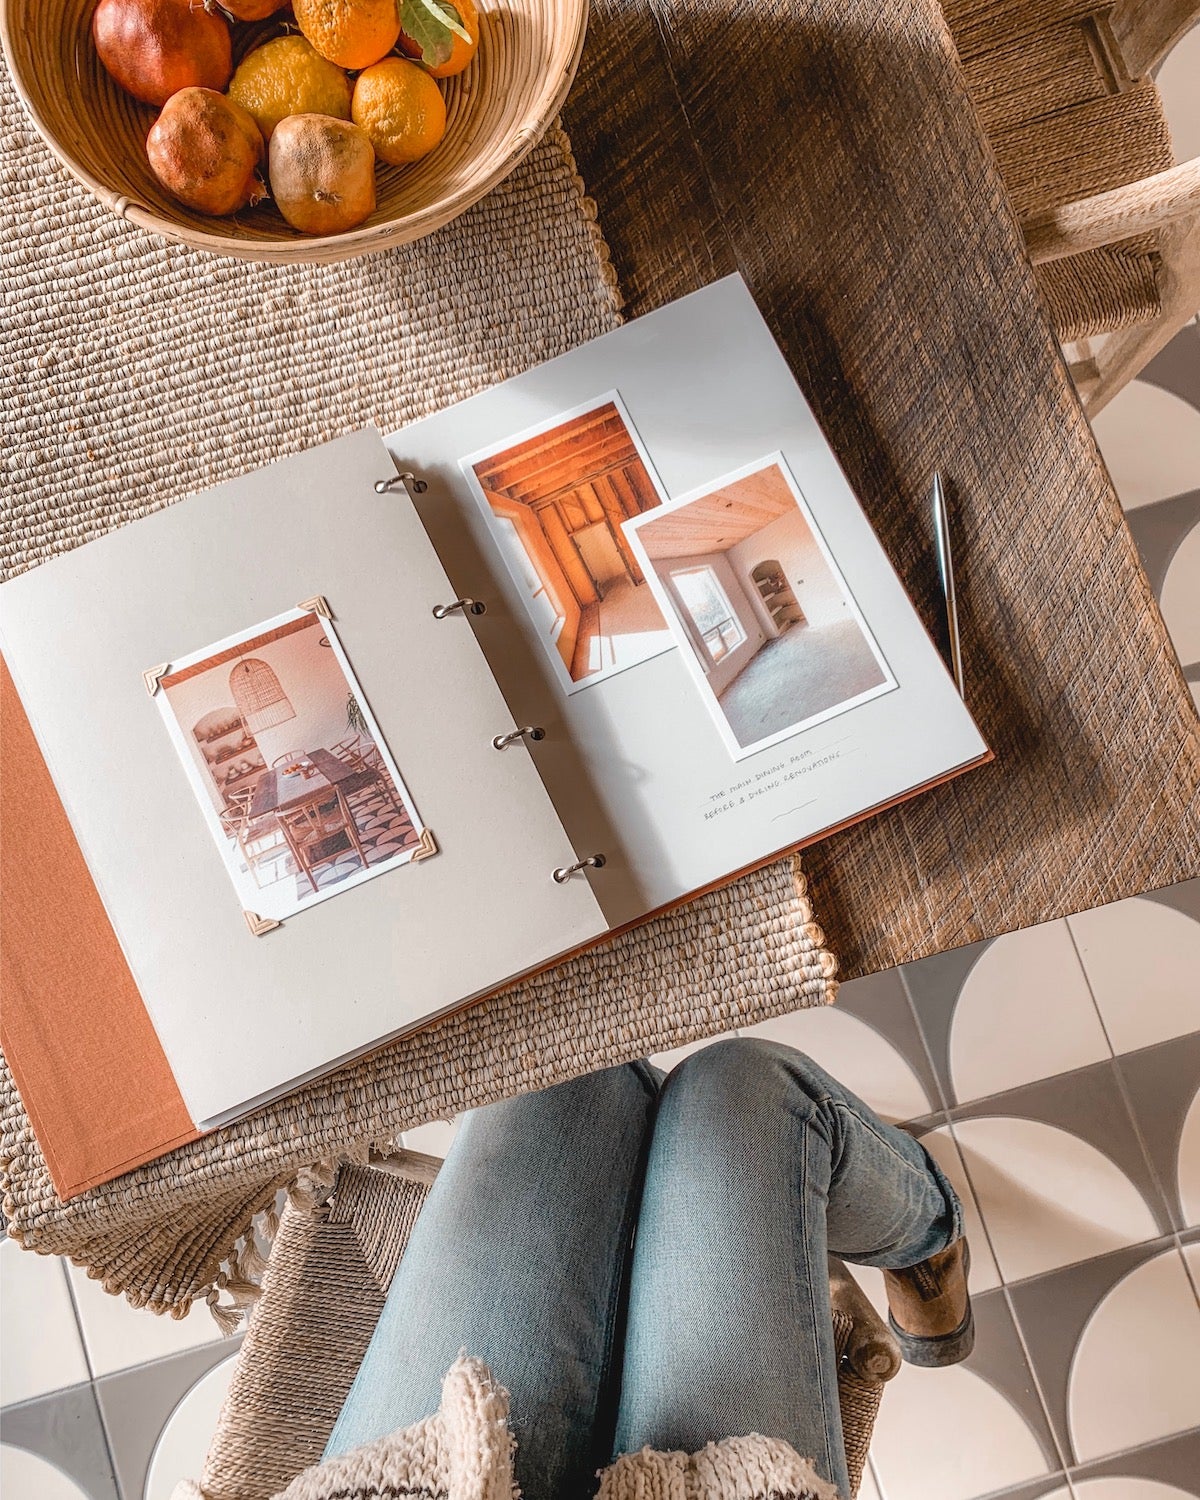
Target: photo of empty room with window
(556,500)
(768,625)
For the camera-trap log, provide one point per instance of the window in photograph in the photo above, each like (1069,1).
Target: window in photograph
(287,764)
(542,606)
(711,612)
(556,499)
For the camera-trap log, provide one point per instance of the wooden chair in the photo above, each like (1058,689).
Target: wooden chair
(1063,89)
(290,758)
(322,1295)
(372,774)
(259,840)
(318,833)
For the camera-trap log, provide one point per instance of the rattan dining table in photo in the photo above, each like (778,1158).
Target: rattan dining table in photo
(828,150)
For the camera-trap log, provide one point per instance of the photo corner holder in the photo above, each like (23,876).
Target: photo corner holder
(153,676)
(258,925)
(317,605)
(427,846)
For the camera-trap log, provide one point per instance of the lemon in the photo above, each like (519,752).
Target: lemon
(289,77)
(401,108)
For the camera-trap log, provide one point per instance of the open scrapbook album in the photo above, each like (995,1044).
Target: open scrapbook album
(297,764)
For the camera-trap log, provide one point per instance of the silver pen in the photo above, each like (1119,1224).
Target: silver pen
(945,558)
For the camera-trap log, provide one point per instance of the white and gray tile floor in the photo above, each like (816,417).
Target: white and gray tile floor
(1066,1109)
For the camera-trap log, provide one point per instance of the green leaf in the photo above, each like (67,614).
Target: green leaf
(433,25)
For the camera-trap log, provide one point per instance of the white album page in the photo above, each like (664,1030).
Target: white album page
(250,711)
(685,597)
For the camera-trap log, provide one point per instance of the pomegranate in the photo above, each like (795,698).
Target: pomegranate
(153,48)
(206,151)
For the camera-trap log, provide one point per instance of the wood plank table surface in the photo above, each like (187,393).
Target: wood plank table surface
(827,149)
(276,790)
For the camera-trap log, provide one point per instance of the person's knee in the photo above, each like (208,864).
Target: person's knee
(739,1073)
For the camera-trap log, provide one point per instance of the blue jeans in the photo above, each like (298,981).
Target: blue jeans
(644,1262)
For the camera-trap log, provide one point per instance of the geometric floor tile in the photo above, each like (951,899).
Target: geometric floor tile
(859,1054)
(64,1431)
(1145,470)
(1177,83)
(1059,1172)
(138,1404)
(1052,1487)
(1024,1012)
(1121,1487)
(184,1442)
(24,1476)
(989,1404)
(1163,1084)
(1135,1378)
(1050,1198)
(1184,897)
(941,1145)
(118,1335)
(934,985)
(40,1349)
(1173,1465)
(1142,960)
(1180,599)
(868,1489)
(882,1001)
(1111,1343)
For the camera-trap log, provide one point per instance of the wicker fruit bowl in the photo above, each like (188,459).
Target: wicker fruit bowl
(496,113)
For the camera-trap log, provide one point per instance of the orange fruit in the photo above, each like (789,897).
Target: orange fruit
(461,52)
(401,109)
(322,173)
(351,33)
(206,151)
(288,76)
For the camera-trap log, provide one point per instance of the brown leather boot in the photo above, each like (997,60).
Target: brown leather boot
(929,1307)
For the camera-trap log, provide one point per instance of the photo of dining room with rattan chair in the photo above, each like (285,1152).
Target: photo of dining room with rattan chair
(287,764)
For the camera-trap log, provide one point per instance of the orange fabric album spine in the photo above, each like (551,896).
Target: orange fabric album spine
(86,1060)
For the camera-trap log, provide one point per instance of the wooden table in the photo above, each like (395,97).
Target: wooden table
(276,791)
(850,184)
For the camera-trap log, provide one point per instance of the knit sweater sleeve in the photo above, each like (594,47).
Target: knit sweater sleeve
(464,1451)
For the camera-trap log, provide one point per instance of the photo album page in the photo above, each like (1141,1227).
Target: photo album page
(278,763)
(687,607)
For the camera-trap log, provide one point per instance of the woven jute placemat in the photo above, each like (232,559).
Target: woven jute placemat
(137,371)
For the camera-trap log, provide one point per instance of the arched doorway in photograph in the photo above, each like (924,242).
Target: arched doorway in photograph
(778,596)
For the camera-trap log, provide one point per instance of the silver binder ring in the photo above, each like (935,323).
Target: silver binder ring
(526,732)
(592,862)
(404,481)
(468,607)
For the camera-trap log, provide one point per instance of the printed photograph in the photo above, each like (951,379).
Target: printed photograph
(289,767)
(556,500)
(766,622)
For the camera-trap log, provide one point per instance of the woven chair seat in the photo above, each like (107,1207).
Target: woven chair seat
(1064,127)
(322,1295)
